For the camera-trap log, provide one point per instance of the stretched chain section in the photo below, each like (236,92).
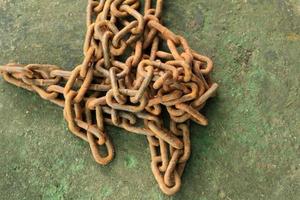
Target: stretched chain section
(133,68)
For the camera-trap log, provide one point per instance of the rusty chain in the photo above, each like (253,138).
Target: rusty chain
(126,79)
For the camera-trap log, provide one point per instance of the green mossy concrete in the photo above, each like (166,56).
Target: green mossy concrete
(250,150)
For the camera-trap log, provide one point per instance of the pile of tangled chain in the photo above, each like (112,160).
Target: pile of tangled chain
(133,69)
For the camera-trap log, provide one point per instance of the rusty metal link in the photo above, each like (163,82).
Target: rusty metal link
(130,108)
(160,179)
(134,68)
(103,160)
(165,135)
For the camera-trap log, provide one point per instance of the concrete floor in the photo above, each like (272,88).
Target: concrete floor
(250,150)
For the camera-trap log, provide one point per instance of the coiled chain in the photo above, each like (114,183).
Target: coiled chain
(134,68)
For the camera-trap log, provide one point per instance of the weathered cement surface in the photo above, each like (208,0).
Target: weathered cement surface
(250,150)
